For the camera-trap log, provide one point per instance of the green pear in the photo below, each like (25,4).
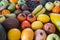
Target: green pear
(55,18)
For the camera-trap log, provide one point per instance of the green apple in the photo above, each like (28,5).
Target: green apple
(57,3)
(2,18)
(53,37)
(49,6)
(36,25)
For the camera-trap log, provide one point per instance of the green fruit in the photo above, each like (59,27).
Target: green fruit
(53,37)
(41,12)
(2,33)
(10,15)
(2,18)
(5,3)
(37,9)
(21,2)
(57,3)
(36,25)
(11,7)
(49,6)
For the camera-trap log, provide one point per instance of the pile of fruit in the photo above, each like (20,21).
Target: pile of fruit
(29,20)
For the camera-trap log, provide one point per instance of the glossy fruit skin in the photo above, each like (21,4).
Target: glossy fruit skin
(2,33)
(27,34)
(4,12)
(49,28)
(18,6)
(43,18)
(31,18)
(10,23)
(57,3)
(40,34)
(2,18)
(13,1)
(21,17)
(11,7)
(43,2)
(25,24)
(14,34)
(49,6)
(36,25)
(53,36)
(56,9)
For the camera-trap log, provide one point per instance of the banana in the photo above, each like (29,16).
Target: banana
(41,12)
(37,9)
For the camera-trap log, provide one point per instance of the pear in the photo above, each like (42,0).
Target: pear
(55,18)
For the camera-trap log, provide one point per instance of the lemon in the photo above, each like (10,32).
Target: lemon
(43,18)
(36,25)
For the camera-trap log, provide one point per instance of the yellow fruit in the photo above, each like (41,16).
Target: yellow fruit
(43,18)
(13,1)
(27,34)
(36,25)
(14,34)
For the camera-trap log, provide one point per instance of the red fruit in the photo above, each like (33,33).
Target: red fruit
(21,17)
(49,28)
(31,17)
(25,24)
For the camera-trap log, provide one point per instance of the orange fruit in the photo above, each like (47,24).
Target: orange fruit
(5,11)
(17,6)
(56,9)
(13,1)
(14,34)
(27,34)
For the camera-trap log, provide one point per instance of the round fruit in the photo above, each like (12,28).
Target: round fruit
(53,37)
(14,34)
(57,3)
(25,24)
(26,12)
(4,12)
(43,18)
(31,17)
(49,28)
(21,17)
(24,7)
(18,6)
(2,18)
(49,6)
(56,9)
(2,33)
(13,1)
(10,23)
(36,25)
(27,34)
(40,35)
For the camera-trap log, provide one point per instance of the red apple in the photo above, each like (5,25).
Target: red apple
(49,28)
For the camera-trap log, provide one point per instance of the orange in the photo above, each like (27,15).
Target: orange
(56,9)
(5,11)
(27,34)
(14,34)
(13,1)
